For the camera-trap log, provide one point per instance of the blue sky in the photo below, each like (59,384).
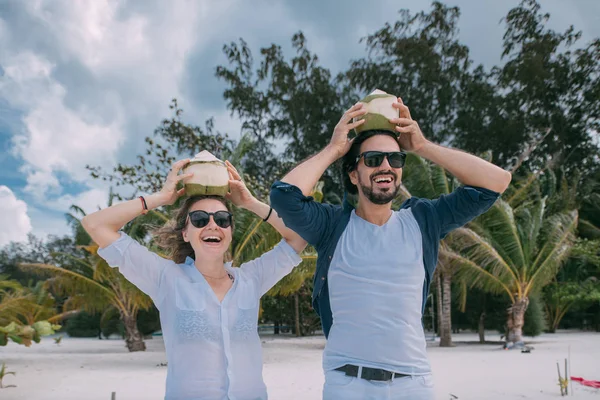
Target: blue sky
(83,82)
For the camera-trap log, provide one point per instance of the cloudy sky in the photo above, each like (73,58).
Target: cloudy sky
(84,81)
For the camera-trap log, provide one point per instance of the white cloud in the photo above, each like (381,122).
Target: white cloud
(16,224)
(56,139)
(90,201)
(131,63)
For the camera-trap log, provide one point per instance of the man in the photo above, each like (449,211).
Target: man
(375,265)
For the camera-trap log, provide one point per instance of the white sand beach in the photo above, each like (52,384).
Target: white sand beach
(82,369)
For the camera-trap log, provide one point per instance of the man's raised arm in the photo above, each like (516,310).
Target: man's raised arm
(309,219)
(306,174)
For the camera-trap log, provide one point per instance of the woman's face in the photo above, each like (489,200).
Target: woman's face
(210,240)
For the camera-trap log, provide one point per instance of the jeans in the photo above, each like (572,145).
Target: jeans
(340,386)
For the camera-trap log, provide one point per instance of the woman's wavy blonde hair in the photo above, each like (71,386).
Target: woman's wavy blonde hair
(169,237)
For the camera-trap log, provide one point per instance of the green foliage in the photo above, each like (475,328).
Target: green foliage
(148,321)
(420,59)
(535,317)
(3,373)
(83,325)
(26,334)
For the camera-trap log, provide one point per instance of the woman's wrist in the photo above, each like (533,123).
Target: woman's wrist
(154,200)
(257,207)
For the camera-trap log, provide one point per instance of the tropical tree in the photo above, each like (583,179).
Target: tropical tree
(577,284)
(26,314)
(515,251)
(105,290)
(93,286)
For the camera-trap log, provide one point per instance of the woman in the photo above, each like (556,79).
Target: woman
(208,310)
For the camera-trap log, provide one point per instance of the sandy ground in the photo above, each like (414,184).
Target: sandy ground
(81,369)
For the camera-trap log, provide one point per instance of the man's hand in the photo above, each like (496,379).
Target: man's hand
(339,143)
(411,138)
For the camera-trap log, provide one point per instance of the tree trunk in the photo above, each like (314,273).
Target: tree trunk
(481,328)
(446,325)
(439,303)
(516,319)
(276,328)
(133,337)
(297,312)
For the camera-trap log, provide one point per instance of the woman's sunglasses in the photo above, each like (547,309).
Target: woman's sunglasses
(374,159)
(201,218)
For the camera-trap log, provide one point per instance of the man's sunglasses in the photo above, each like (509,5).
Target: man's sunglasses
(374,159)
(201,218)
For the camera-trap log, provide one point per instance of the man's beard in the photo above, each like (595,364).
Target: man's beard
(381,197)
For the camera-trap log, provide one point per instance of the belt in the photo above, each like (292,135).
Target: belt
(370,374)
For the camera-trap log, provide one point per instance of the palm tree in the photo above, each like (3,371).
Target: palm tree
(26,314)
(93,286)
(104,290)
(515,251)
(578,283)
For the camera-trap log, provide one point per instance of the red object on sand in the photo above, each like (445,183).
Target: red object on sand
(594,384)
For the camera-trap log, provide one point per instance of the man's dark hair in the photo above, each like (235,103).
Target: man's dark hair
(349,160)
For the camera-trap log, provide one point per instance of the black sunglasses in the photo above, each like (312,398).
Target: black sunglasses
(201,218)
(373,159)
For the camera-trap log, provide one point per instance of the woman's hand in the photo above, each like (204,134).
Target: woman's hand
(169,193)
(238,192)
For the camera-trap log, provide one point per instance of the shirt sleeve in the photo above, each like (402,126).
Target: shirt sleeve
(461,206)
(308,218)
(272,266)
(140,266)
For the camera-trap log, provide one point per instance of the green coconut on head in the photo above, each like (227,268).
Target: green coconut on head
(379,112)
(211,177)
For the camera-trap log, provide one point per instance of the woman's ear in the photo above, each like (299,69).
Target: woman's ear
(185,235)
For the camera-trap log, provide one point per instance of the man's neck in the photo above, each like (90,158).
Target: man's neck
(377,214)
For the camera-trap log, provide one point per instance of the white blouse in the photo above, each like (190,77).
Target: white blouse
(213,348)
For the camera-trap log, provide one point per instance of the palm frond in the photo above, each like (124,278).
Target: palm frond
(418,178)
(501,231)
(521,190)
(481,252)
(586,228)
(474,276)
(292,282)
(558,242)
(66,282)
(529,222)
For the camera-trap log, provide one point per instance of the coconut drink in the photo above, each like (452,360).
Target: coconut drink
(210,176)
(379,112)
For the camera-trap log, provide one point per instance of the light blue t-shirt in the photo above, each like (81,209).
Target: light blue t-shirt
(376,280)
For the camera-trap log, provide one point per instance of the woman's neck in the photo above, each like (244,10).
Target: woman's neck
(215,268)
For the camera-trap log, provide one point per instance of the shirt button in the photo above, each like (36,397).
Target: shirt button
(330,257)
(323,278)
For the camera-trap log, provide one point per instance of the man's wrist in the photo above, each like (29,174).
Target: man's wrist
(425,149)
(331,153)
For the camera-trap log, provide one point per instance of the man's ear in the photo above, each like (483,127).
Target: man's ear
(353,177)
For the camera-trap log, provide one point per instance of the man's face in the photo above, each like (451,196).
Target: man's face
(380,185)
